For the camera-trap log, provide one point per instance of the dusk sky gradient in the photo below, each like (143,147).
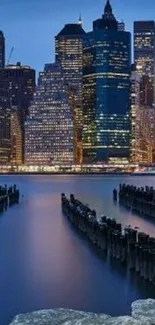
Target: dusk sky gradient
(31,25)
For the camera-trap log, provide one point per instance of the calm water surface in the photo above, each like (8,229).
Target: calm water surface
(45,264)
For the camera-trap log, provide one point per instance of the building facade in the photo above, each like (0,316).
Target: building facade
(69,54)
(135,116)
(19,82)
(142,123)
(2,50)
(106,91)
(144,57)
(5,137)
(16,138)
(49,127)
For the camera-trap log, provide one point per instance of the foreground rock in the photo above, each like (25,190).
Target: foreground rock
(143,313)
(58,317)
(144,310)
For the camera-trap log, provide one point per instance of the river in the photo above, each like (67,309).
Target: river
(44,263)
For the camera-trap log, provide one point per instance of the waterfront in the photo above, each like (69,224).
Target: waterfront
(46,264)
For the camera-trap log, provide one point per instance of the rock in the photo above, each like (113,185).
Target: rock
(143,313)
(125,320)
(144,310)
(101,320)
(59,317)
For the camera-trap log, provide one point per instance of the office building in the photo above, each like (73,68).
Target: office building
(2,50)
(16,138)
(49,127)
(135,115)
(142,123)
(19,82)
(106,91)
(69,54)
(144,56)
(145,135)
(5,143)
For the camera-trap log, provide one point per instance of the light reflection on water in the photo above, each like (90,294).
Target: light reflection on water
(44,263)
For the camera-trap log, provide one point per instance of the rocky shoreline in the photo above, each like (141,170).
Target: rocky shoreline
(142,313)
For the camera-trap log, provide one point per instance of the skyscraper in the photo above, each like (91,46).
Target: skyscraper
(69,54)
(106,90)
(2,50)
(49,128)
(19,82)
(144,56)
(135,116)
(16,138)
(5,113)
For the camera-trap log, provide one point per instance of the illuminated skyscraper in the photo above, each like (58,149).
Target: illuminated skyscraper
(142,123)
(49,128)
(144,56)
(135,116)
(16,138)
(106,93)
(69,54)
(5,114)
(19,82)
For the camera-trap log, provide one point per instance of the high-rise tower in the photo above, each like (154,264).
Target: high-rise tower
(106,90)
(144,56)
(5,137)
(2,50)
(69,54)
(19,82)
(49,127)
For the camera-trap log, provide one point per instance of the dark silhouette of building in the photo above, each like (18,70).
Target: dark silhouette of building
(19,82)
(5,114)
(121,26)
(106,90)
(2,50)
(144,56)
(69,54)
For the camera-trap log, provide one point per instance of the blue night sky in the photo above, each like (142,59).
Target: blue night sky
(30,25)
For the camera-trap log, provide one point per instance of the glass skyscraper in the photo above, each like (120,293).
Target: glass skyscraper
(69,54)
(106,90)
(144,56)
(49,127)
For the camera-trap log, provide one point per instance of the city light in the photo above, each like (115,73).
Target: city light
(89,106)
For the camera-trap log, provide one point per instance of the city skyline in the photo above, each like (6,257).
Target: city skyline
(95,67)
(39,24)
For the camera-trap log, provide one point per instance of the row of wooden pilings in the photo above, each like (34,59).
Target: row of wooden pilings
(139,199)
(8,197)
(134,249)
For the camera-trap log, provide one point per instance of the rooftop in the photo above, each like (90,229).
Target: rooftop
(72,30)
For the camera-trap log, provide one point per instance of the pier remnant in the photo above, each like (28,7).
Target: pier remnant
(134,249)
(139,199)
(8,197)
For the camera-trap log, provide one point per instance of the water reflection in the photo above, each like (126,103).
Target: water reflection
(46,264)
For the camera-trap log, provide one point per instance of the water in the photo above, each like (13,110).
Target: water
(44,263)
